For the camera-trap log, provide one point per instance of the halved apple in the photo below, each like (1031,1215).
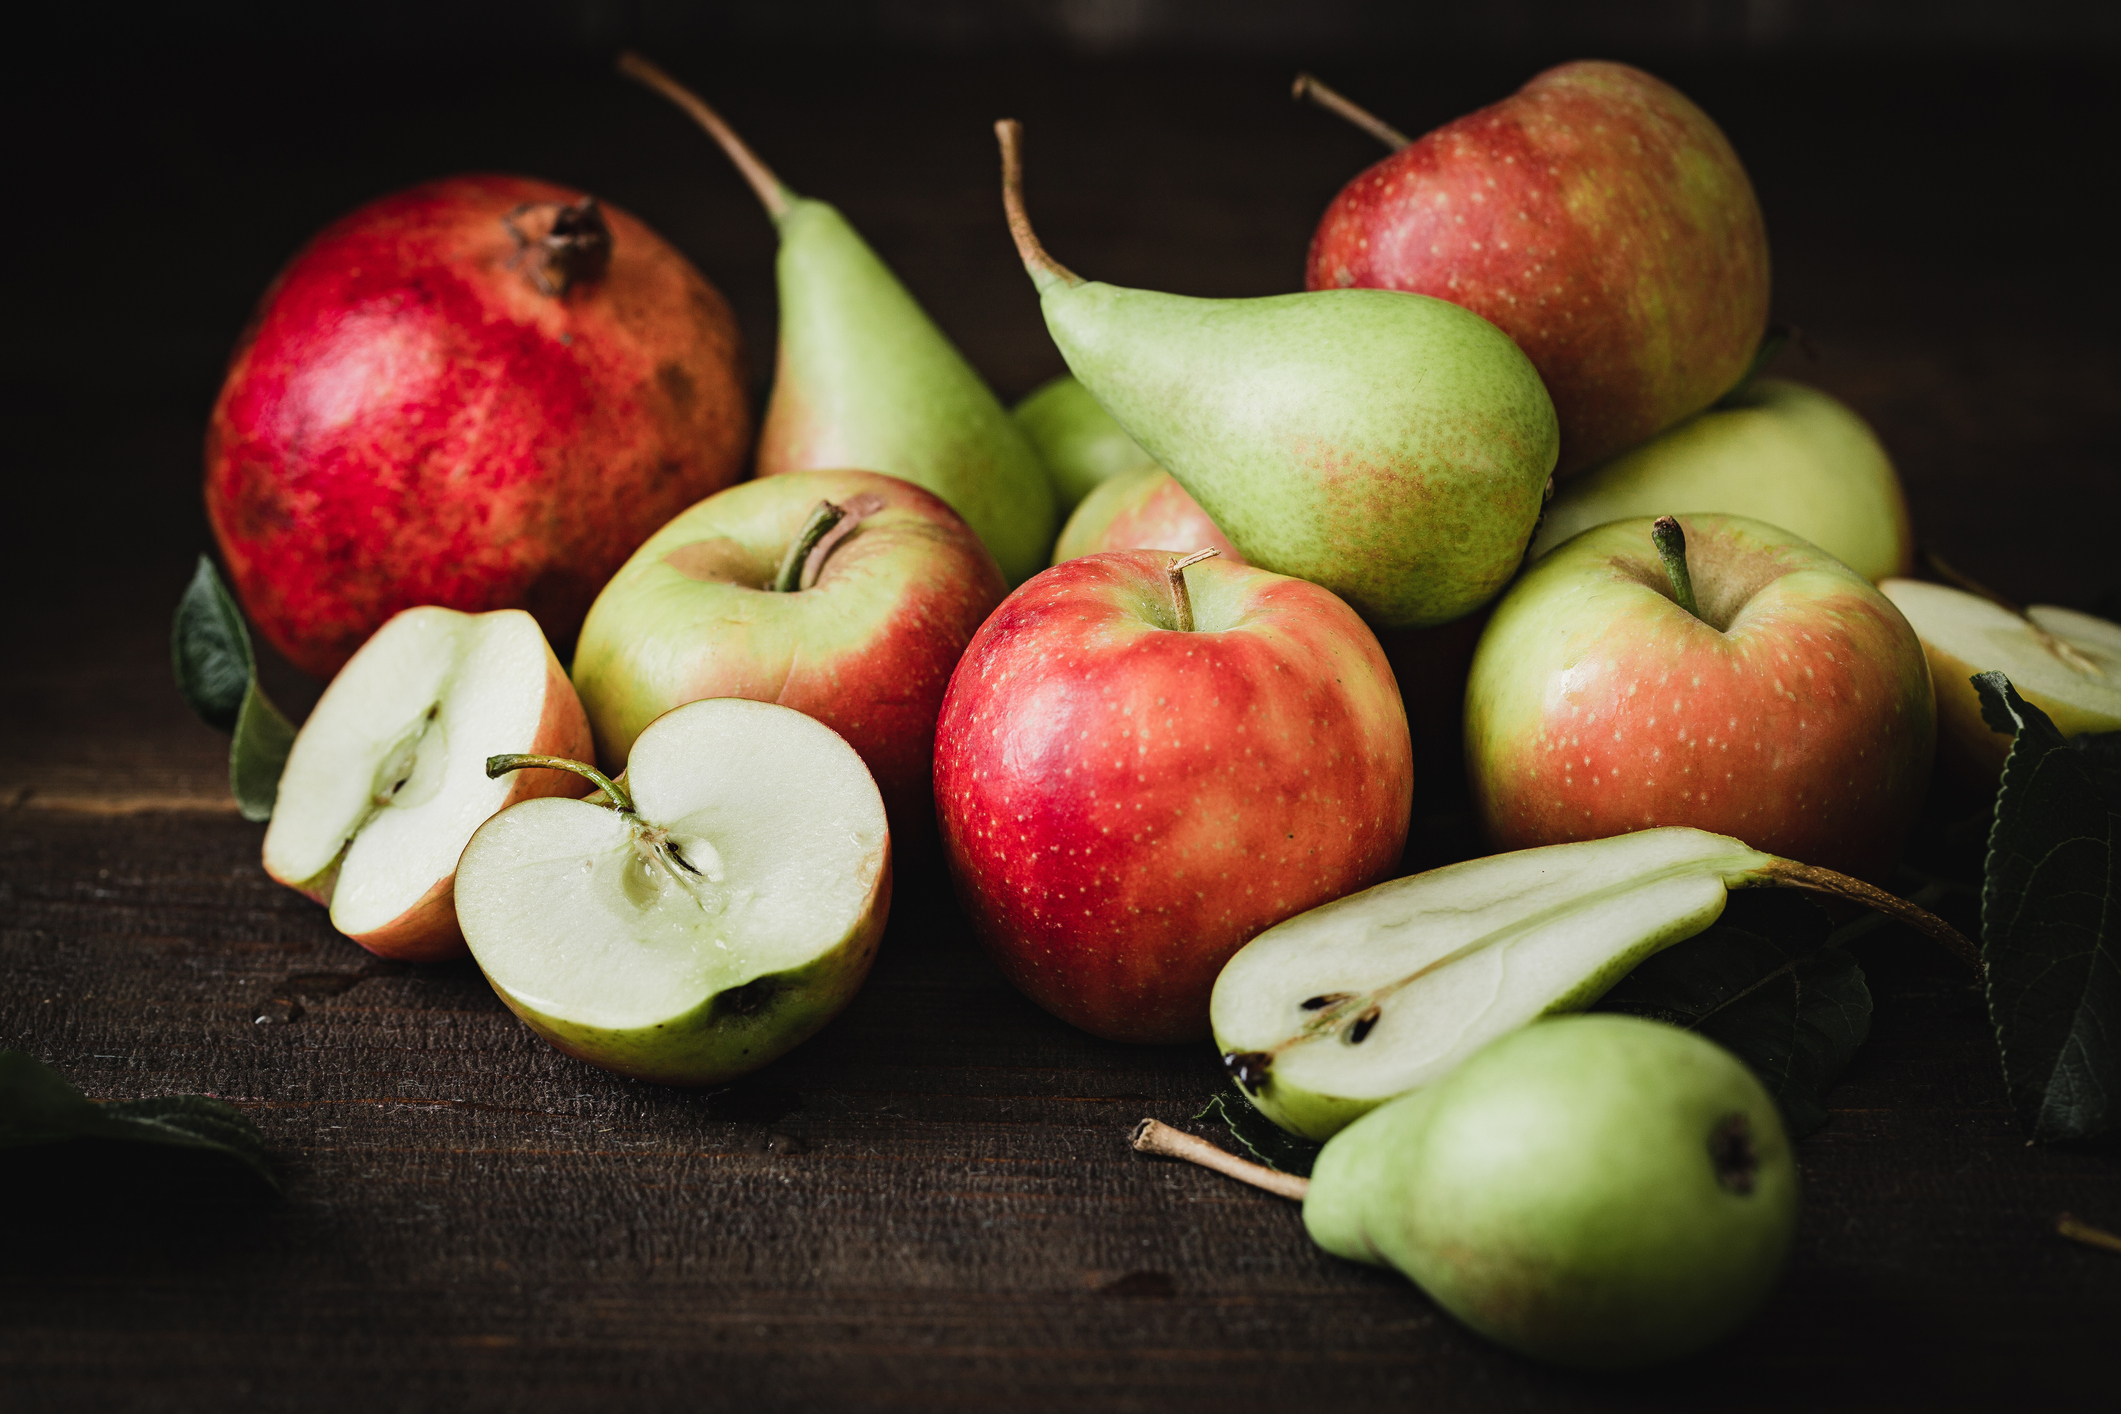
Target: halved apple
(722,903)
(2065,663)
(387,779)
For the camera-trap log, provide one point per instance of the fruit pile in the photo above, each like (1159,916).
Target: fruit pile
(1518,415)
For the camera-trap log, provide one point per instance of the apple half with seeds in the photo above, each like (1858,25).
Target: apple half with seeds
(702,916)
(387,778)
(2065,663)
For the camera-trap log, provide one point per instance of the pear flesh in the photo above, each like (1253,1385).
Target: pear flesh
(1596,1191)
(724,918)
(1326,1016)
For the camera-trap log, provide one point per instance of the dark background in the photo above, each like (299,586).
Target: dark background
(930,1205)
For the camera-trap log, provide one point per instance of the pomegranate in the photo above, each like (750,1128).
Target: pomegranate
(482,393)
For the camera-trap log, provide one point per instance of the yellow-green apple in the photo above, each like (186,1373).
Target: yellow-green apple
(1774,451)
(387,778)
(1081,444)
(701,916)
(862,637)
(1597,217)
(481,393)
(1141,509)
(1737,679)
(1139,767)
(2065,663)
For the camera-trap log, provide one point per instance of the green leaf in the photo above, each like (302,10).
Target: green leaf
(218,675)
(1267,1142)
(40,1111)
(210,649)
(2051,921)
(1765,983)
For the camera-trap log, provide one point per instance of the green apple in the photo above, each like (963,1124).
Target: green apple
(709,914)
(1775,451)
(1595,1191)
(2065,663)
(1080,443)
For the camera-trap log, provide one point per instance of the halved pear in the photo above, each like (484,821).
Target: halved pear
(724,905)
(387,778)
(2065,663)
(1328,1015)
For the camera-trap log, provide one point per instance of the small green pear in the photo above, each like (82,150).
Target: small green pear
(1595,1191)
(1391,447)
(1774,451)
(1080,443)
(863,378)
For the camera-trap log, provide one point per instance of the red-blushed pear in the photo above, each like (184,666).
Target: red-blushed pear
(1732,677)
(1141,765)
(846,595)
(1597,217)
(1142,509)
(480,393)
(387,778)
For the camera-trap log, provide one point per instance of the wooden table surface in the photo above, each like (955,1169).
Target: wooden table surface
(932,1204)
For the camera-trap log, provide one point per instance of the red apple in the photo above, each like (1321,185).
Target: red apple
(1793,710)
(1598,218)
(1141,509)
(1127,797)
(481,393)
(865,645)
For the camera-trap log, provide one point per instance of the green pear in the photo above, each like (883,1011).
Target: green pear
(1774,451)
(863,378)
(1391,447)
(1078,440)
(1326,1016)
(1595,1191)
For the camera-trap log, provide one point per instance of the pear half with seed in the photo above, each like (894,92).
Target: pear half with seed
(387,778)
(698,919)
(1324,1017)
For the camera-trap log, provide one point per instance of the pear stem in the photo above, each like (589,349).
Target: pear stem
(823,517)
(1670,541)
(497,766)
(1789,874)
(1153,1136)
(773,194)
(1181,600)
(2075,1231)
(1046,272)
(1306,86)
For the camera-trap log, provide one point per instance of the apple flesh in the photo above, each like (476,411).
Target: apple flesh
(1793,711)
(1774,451)
(723,906)
(2065,663)
(386,780)
(1128,792)
(1598,218)
(432,406)
(867,648)
(1141,509)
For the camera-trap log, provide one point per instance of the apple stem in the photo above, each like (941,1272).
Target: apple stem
(1670,541)
(1181,600)
(1309,87)
(822,518)
(2075,1231)
(1789,874)
(1046,272)
(773,194)
(497,766)
(1153,1136)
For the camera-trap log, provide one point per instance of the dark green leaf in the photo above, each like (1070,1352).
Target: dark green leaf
(258,754)
(1261,1138)
(1764,983)
(2051,921)
(42,1113)
(210,649)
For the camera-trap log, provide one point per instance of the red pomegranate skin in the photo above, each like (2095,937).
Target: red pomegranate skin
(1598,218)
(409,420)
